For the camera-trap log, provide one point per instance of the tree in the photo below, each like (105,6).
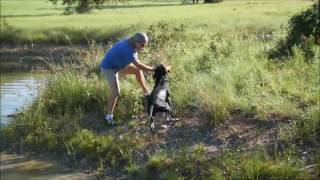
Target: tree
(212,1)
(194,1)
(82,6)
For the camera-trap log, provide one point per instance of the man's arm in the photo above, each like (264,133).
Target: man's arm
(142,66)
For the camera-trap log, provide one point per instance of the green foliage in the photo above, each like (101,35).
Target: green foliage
(106,149)
(130,102)
(180,164)
(42,22)
(83,6)
(304,32)
(162,32)
(11,136)
(308,128)
(252,167)
(258,167)
(9,33)
(216,173)
(69,91)
(212,1)
(213,74)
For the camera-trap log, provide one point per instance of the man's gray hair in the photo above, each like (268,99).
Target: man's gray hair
(140,37)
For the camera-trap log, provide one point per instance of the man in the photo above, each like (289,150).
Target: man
(123,58)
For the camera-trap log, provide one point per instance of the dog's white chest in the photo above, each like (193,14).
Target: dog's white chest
(162,94)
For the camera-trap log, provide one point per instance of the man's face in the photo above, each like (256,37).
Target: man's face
(140,46)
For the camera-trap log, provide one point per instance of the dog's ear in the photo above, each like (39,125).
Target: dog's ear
(163,69)
(157,72)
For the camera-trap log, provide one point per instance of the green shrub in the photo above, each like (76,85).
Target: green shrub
(83,6)
(11,136)
(304,31)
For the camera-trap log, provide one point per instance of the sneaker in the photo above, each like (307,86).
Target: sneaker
(109,119)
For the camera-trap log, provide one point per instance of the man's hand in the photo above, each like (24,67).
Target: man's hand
(142,66)
(168,68)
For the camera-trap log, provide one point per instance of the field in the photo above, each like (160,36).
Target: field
(40,19)
(244,115)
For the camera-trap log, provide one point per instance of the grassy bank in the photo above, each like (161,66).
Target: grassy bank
(221,71)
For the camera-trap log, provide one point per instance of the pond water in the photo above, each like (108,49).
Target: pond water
(17,90)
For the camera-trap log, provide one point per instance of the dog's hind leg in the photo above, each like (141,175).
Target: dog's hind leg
(151,118)
(169,117)
(152,125)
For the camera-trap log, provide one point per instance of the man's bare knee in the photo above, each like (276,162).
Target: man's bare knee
(139,73)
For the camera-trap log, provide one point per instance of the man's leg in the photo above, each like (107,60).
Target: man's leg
(113,81)
(132,69)
(112,99)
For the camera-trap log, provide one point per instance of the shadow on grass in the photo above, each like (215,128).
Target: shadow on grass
(29,15)
(124,6)
(144,5)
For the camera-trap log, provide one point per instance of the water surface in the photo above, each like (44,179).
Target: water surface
(17,90)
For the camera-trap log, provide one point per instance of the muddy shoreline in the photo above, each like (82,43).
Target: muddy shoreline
(28,166)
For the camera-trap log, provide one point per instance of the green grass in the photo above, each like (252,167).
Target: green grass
(27,8)
(219,54)
(41,21)
(231,165)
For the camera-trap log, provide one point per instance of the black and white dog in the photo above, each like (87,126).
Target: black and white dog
(159,100)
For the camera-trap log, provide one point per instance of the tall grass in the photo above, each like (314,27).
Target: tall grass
(225,73)
(235,73)
(231,165)
(215,71)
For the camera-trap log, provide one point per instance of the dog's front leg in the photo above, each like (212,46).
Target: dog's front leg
(168,114)
(168,98)
(151,118)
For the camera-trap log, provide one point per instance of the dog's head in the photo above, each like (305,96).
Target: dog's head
(160,72)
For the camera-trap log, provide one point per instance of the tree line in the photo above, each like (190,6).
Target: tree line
(83,6)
